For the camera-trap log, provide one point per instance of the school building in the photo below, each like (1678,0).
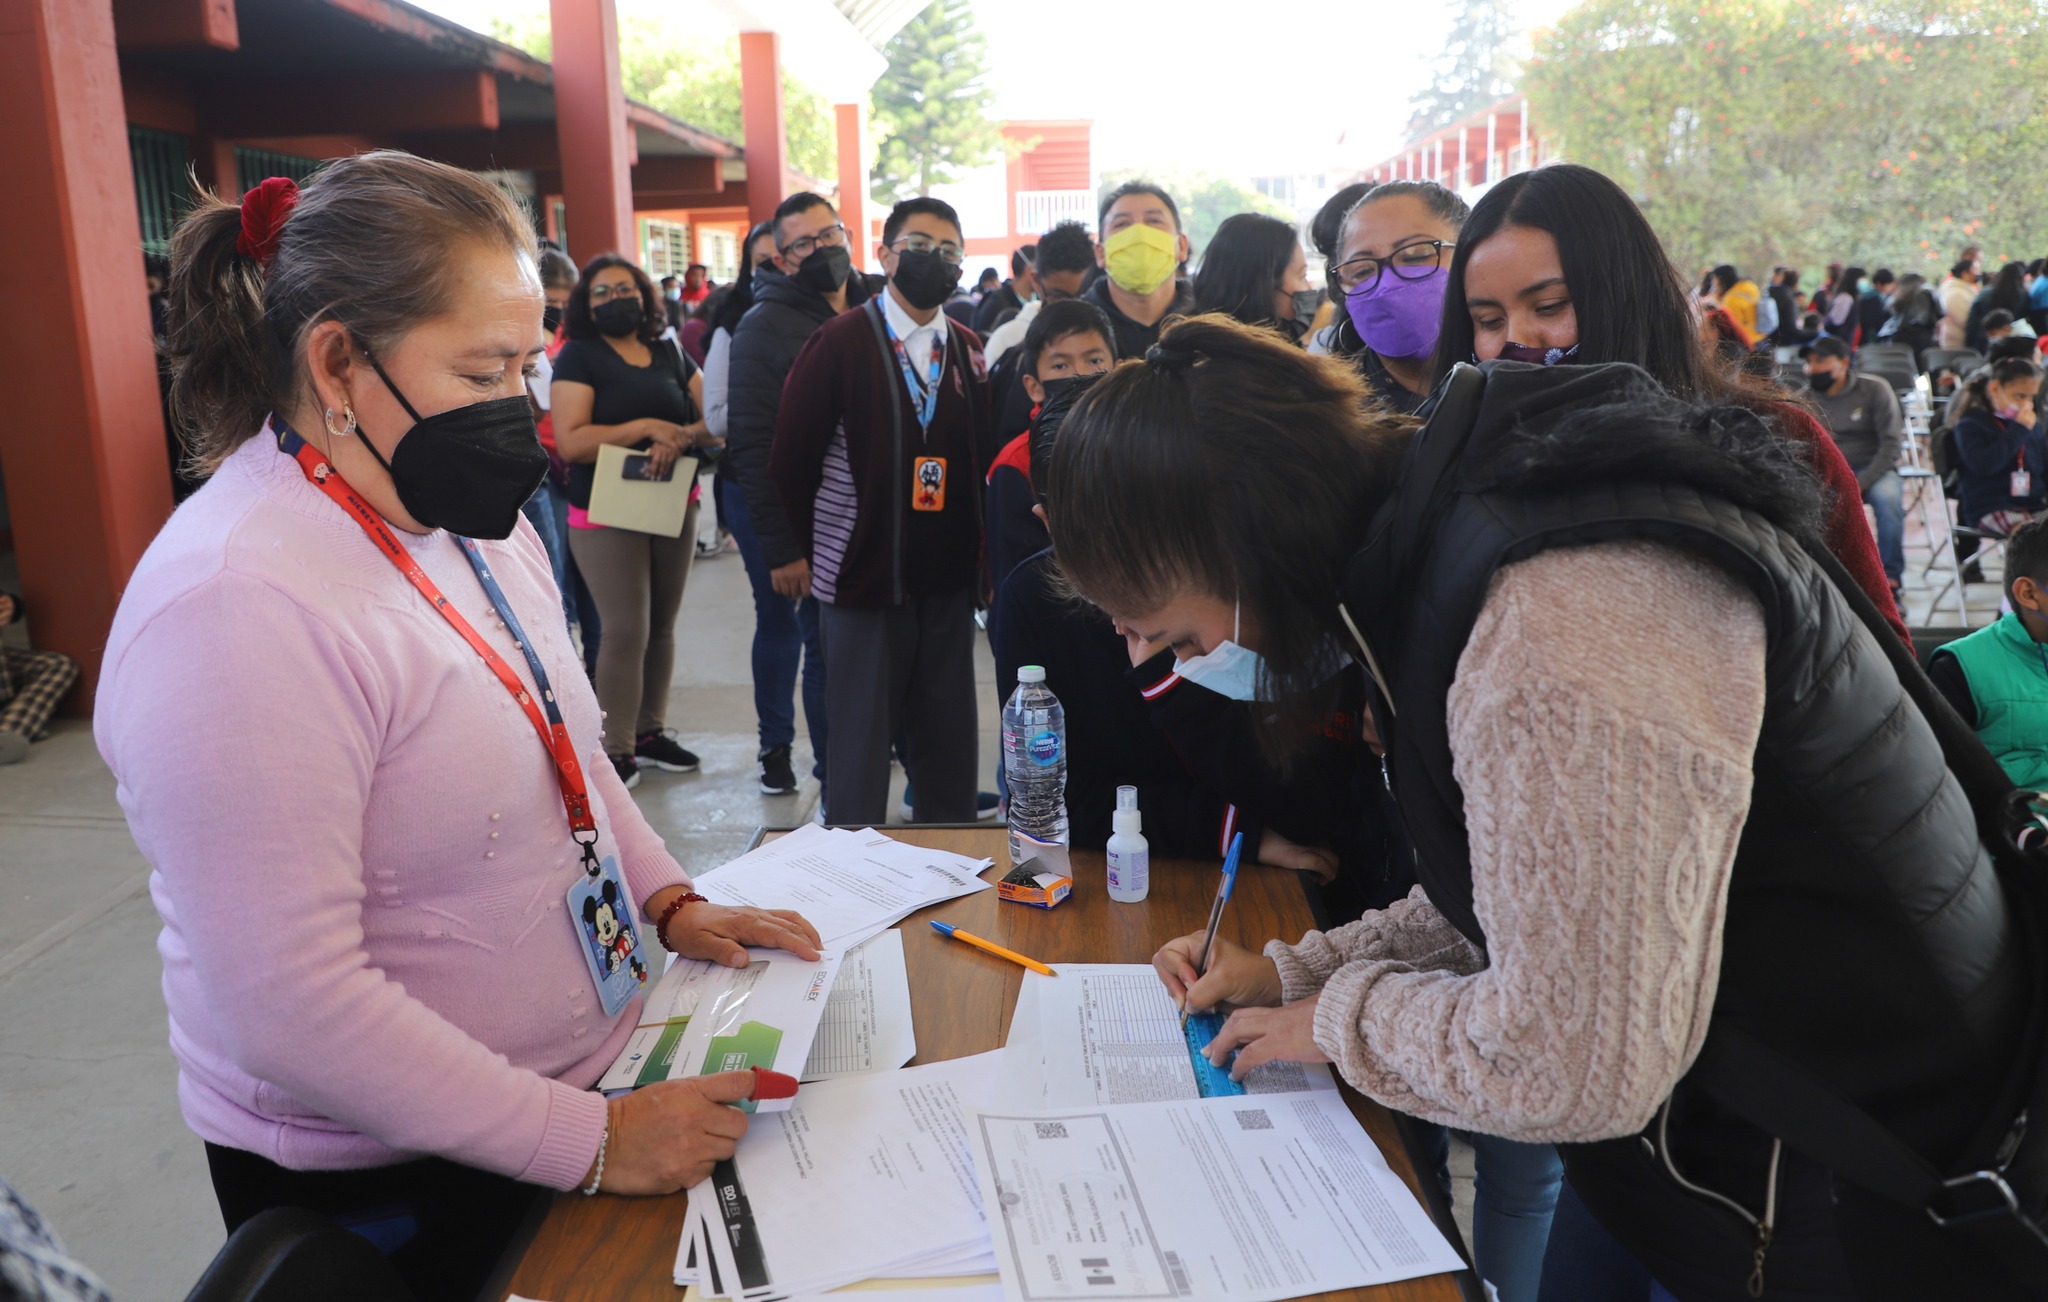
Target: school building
(115,106)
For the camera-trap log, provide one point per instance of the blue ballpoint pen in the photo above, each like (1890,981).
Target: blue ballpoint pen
(1223,891)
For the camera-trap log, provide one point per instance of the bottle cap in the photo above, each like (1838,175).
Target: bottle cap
(1031,673)
(1126,820)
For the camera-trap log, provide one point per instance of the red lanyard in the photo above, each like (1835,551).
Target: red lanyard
(553,733)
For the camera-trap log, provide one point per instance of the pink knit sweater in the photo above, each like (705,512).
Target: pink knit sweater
(1602,722)
(357,842)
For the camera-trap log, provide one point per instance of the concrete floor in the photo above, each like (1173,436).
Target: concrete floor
(89,1124)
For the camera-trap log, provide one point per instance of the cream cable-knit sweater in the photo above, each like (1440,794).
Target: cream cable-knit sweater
(1602,723)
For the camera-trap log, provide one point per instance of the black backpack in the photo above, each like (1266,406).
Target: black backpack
(1997,1198)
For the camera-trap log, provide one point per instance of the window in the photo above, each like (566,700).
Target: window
(255,166)
(666,246)
(721,256)
(163,189)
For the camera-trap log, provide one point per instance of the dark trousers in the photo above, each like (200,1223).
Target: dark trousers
(443,1226)
(785,635)
(903,671)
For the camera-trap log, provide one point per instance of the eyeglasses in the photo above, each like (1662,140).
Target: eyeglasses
(599,293)
(1410,262)
(799,249)
(948,252)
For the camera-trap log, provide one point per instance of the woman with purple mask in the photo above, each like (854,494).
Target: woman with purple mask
(1388,272)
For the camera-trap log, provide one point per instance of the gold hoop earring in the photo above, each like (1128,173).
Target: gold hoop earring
(348,422)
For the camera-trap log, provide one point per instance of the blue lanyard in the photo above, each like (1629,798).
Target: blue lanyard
(504,609)
(926,396)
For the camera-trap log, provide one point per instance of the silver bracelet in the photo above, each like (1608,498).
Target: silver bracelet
(602,1141)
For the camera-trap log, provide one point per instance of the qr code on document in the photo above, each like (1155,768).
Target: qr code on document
(1253,1119)
(1051,1129)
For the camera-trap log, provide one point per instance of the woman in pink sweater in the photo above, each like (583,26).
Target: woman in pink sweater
(407,904)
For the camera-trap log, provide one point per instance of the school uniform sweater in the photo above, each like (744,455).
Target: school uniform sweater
(356,839)
(846,455)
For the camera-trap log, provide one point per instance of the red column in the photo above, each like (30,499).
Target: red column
(761,120)
(853,177)
(88,479)
(590,122)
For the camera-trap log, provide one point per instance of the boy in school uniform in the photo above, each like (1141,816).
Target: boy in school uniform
(874,460)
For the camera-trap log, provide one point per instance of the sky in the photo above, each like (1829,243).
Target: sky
(1227,86)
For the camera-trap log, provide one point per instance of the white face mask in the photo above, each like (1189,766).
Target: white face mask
(1228,670)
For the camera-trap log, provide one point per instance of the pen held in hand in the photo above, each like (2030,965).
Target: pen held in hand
(1223,893)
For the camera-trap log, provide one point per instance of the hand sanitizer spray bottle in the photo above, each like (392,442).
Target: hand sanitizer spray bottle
(1130,858)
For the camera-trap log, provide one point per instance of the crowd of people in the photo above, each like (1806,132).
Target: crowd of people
(1501,584)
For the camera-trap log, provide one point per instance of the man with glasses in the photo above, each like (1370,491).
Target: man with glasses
(1388,274)
(807,283)
(1061,268)
(874,456)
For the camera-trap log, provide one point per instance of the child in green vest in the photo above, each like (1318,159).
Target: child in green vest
(1997,677)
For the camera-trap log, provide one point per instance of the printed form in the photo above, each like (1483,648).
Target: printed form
(1109,1033)
(1250,1199)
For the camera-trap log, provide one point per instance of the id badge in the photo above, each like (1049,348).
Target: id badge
(928,484)
(603,914)
(2022,483)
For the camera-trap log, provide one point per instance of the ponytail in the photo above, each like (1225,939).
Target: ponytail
(371,243)
(214,340)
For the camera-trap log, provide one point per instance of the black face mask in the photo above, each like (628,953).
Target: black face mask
(468,469)
(924,279)
(1060,397)
(826,269)
(618,318)
(551,320)
(1822,381)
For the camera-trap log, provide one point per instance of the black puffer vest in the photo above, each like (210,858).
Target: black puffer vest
(1866,935)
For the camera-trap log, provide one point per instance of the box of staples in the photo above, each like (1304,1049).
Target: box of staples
(1042,880)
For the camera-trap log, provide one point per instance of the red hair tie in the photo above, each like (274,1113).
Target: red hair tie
(263,212)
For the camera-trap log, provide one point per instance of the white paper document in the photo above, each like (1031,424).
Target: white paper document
(866,1177)
(1109,1033)
(849,885)
(1252,1199)
(704,1017)
(867,1022)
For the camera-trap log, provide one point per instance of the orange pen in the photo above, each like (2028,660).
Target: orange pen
(948,929)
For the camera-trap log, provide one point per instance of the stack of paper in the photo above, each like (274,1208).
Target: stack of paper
(867,1177)
(849,885)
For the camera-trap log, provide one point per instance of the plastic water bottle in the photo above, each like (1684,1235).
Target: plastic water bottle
(1035,762)
(1130,857)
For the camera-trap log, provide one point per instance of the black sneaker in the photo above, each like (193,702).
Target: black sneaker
(662,751)
(777,777)
(627,768)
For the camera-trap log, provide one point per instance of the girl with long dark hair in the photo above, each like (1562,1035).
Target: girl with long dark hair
(1559,265)
(1252,269)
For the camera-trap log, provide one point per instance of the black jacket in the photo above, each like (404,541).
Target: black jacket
(1132,337)
(1865,937)
(764,347)
(999,306)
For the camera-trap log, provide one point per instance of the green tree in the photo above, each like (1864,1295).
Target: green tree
(930,110)
(695,76)
(1203,198)
(1477,67)
(1802,132)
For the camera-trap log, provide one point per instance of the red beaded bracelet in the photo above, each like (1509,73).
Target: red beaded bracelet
(675,906)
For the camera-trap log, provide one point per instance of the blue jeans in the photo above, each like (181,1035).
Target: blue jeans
(548,509)
(1514,1192)
(1887,502)
(785,633)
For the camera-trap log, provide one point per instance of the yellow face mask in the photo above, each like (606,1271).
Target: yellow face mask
(1140,258)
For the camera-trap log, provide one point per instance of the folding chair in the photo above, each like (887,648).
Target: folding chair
(289,1254)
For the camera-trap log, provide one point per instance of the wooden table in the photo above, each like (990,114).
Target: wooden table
(615,1249)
